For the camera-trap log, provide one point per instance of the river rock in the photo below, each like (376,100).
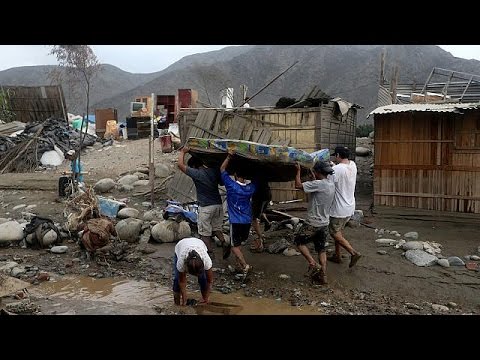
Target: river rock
(129,229)
(59,249)
(162,170)
(443,262)
(128,213)
(474,257)
(152,215)
(381,252)
(104,185)
(290,252)
(21,206)
(127,180)
(413,245)
(11,231)
(141,176)
(141,183)
(385,242)
(278,246)
(412,235)
(362,151)
(440,308)
(170,231)
(48,238)
(455,261)
(420,257)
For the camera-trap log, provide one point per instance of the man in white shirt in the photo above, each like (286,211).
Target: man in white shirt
(343,206)
(191,256)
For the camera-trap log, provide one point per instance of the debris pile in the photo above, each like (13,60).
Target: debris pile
(22,153)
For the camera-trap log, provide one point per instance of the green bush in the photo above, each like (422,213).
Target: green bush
(363,130)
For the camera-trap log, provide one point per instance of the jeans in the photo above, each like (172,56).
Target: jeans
(202,279)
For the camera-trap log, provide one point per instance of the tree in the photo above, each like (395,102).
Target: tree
(79,65)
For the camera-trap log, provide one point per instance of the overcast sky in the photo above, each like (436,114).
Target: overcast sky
(147,58)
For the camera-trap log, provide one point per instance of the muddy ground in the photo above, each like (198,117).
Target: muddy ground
(140,282)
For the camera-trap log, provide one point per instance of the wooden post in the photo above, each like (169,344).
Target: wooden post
(394,85)
(382,68)
(151,154)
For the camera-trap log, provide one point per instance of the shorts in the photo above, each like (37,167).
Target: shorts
(308,233)
(239,233)
(258,208)
(210,219)
(337,224)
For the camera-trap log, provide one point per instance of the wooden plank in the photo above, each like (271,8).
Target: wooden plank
(424,195)
(248,131)
(236,128)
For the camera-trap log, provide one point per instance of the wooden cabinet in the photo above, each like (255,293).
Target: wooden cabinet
(168,102)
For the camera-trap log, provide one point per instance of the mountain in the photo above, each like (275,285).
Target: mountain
(348,71)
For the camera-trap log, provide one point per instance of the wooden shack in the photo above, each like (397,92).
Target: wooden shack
(427,156)
(34,103)
(308,129)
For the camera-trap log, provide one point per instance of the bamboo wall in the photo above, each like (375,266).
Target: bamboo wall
(36,103)
(428,161)
(308,129)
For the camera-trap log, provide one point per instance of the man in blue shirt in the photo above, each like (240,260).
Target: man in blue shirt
(239,196)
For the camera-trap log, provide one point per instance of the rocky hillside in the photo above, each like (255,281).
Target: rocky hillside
(348,71)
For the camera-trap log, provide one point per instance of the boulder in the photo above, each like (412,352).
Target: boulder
(129,229)
(127,180)
(455,261)
(128,213)
(170,231)
(141,176)
(104,185)
(413,245)
(141,183)
(372,135)
(11,231)
(290,252)
(152,215)
(412,235)
(48,238)
(443,262)
(386,242)
(59,249)
(278,246)
(362,151)
(162,170)
(420,257)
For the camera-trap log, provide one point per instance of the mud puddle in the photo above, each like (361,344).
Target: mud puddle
(89,296)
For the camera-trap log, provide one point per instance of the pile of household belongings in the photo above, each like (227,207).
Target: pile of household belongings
(276,162)
(39,144)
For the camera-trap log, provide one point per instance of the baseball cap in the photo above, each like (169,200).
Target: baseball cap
(323,167)
(343,151)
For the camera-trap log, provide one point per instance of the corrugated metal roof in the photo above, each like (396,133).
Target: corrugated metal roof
(399,108)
